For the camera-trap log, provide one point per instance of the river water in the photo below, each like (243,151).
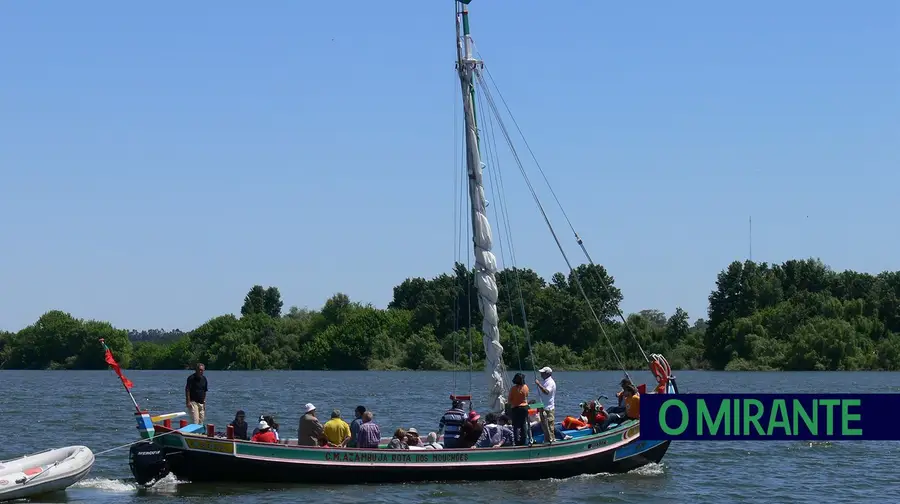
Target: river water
(45,409)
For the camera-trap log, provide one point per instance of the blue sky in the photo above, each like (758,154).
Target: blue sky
(158,159)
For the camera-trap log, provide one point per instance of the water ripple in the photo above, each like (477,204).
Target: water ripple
(89,407)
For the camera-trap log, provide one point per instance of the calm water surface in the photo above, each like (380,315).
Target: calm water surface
(44,409)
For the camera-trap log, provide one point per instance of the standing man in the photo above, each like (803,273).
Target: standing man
(548,388)
(451,424)
(195,395)
(336,430)
(310,432)
(354,426)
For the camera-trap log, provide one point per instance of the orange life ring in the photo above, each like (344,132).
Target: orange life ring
(658,371)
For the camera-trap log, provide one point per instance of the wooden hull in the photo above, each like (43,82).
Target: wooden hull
(201,459)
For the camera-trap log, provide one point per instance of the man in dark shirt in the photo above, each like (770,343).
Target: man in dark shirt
(195,395)
(354,425)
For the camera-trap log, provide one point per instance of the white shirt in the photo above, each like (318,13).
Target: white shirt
(550,385)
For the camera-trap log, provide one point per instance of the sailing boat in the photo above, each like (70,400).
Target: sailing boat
(196,453)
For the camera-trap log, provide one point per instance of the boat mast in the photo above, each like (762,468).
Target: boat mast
(485,261)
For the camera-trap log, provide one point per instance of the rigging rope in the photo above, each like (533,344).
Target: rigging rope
(497,184)
(456,233)
(493,168)
(469,286)
(566,216)
(562,251)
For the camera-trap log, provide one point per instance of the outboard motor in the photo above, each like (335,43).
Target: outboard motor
(148,463)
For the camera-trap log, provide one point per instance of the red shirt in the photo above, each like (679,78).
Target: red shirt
(264,437)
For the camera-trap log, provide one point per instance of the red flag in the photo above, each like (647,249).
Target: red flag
(115,365)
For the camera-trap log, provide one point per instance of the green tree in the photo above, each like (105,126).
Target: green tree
(272,303)
(798,315)
(254,301)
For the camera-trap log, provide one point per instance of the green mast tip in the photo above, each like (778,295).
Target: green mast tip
(464,1)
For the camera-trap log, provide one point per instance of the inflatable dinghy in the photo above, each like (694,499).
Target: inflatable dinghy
(44,472)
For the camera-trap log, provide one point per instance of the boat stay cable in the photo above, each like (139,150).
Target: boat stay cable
(501,214)
(578,239)
(488,96)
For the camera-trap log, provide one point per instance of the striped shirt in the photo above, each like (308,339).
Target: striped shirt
(369,435)
(452,422)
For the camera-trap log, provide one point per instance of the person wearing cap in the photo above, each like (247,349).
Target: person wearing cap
(310,432)
(264,434)
(547,388)
(240,426)
(336,430)
(354,425)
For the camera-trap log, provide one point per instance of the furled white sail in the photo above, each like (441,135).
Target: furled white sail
(485,261)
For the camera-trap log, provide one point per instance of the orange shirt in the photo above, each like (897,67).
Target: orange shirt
(661,388)
(572,423)
(518,395)
(633,406)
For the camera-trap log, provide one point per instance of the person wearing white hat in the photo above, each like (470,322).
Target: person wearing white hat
(264,434)
(310,431)
(547,388)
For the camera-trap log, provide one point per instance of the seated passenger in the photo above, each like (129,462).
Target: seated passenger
(471,431)
(273,426)
(595,414)
(398,442)
(505,423)
(240,426)
(264,434)
(620,407)
(572,423)
(632,407)
(492,434)
(431,443)
(413,441)
(632,403)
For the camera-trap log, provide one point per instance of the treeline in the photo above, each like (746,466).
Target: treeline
(799,315)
